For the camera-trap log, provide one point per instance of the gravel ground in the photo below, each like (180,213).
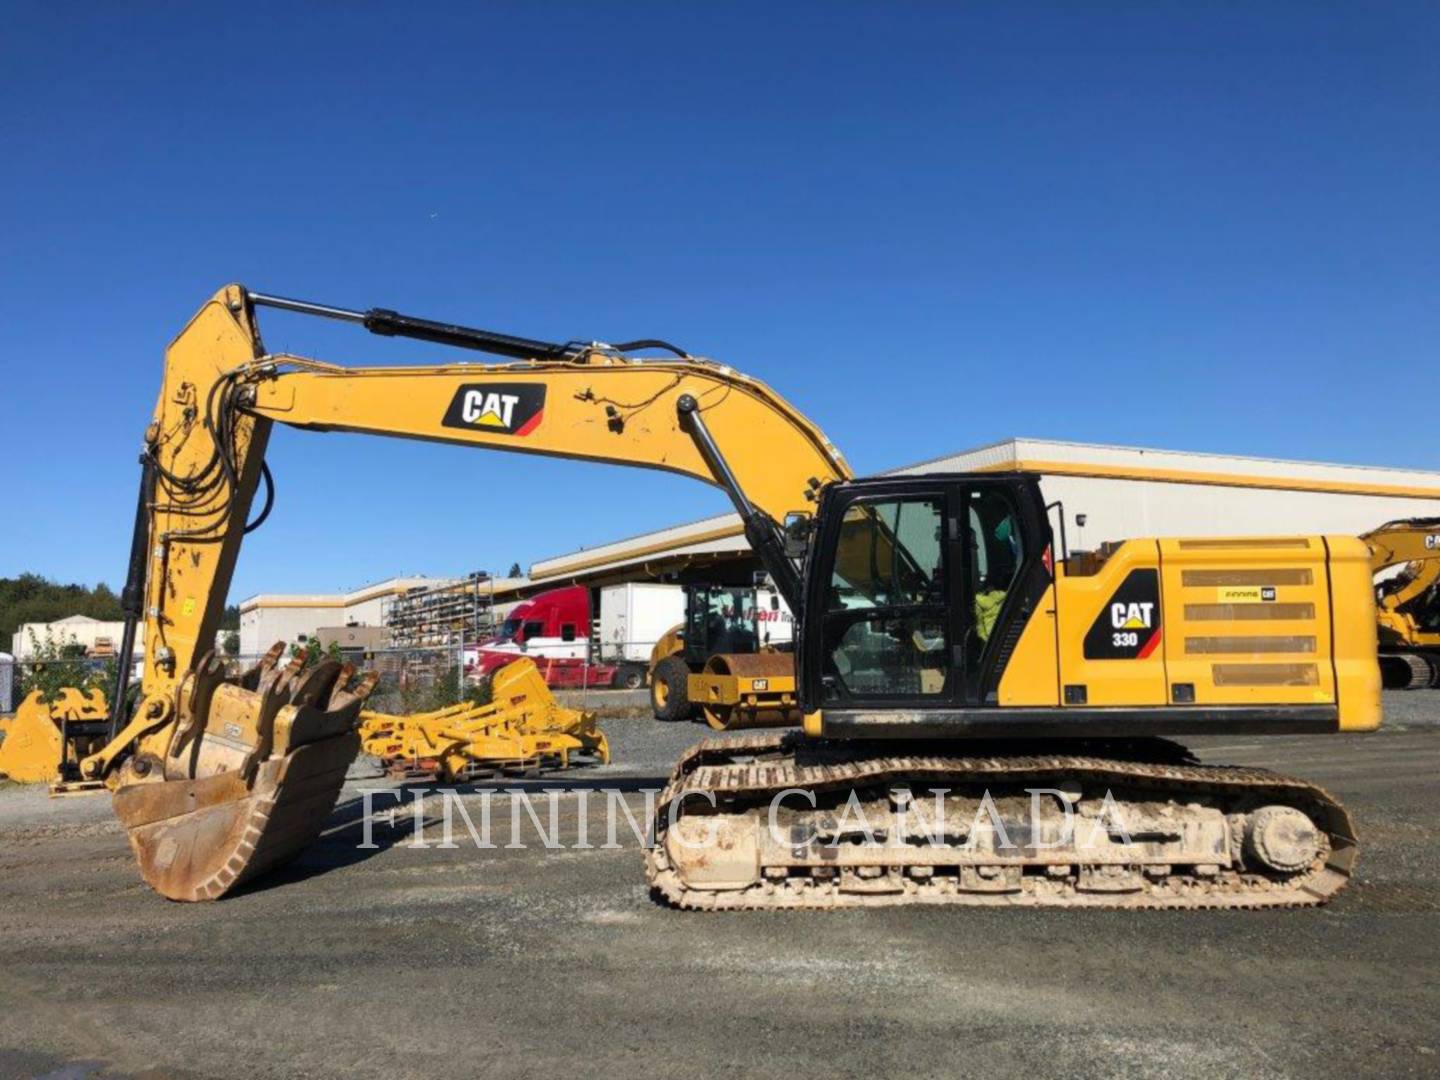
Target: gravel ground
(406,961)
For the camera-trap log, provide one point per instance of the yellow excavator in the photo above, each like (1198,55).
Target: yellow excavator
(1408,602)
(996,711)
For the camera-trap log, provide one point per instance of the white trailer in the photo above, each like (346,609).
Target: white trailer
(634,616)
(774,622)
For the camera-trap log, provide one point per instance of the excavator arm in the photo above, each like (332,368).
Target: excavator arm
(1407,540)
(203,465)
(221,392)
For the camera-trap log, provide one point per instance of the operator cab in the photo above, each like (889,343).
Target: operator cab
(919,589)
(721,619)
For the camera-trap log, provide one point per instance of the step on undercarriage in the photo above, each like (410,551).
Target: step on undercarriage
(777,821)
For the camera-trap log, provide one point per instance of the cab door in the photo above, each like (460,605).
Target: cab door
(881,613)
(997,595)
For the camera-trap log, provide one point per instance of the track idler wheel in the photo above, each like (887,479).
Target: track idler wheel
(253,769)
(1281,839)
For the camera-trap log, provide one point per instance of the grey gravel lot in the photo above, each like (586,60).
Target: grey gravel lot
(408,961)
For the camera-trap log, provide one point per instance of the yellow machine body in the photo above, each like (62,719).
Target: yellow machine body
(45,740)
(1409,602)
(1232,621)
(731,691)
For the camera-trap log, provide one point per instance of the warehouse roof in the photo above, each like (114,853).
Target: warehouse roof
(1182,466)
(396,586)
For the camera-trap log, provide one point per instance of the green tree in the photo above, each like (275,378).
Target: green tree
(515,570)
(31,598)
(231,643)
(307,650)
(311,651)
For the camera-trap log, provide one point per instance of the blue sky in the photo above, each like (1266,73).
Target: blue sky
(1207,227)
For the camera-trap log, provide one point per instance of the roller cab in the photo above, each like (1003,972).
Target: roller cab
(936,609)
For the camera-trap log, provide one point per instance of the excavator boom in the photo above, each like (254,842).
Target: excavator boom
(208,788)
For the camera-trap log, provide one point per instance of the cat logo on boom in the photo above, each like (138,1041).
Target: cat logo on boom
(1128,627)
(489,410)
(497,408)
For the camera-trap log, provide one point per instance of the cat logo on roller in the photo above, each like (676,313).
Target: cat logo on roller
(497,408)
(1128,627)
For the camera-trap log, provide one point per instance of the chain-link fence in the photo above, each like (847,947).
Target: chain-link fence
(426,678)
(411,680)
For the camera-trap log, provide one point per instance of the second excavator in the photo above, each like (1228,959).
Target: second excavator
(998,711)
(1409,602)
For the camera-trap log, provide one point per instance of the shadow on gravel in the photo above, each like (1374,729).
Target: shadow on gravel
(339,844)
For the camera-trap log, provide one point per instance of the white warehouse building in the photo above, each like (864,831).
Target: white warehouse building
(1107,493)
(271,617)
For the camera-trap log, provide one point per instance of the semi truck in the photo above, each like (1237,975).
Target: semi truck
(581,637)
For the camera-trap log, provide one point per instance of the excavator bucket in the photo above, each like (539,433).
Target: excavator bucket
(252,771)
(523,727)
(45,740)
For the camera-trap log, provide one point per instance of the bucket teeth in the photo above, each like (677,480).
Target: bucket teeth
(250,680)
(315,684)
(342,697)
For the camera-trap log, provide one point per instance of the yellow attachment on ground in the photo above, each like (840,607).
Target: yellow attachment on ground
(44,741)
(523,727)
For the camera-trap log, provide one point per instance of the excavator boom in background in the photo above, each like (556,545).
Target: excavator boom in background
(942,640)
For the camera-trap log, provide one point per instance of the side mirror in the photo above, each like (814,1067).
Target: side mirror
(797,534)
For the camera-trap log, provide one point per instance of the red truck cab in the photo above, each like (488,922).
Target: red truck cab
(553,629)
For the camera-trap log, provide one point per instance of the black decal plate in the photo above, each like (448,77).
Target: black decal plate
(1128,627)
(497,408)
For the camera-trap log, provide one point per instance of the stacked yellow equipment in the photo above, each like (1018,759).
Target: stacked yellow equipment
(523,727)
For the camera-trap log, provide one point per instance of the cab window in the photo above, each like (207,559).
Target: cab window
(730,625)
(995,556)
(887,613)
(889,553)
